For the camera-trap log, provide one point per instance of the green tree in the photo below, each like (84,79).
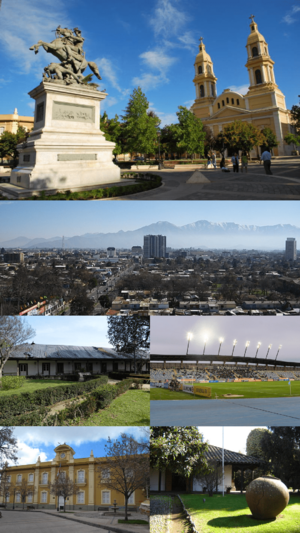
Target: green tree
(189,132)
(281,447)
(239,136)
(209,141)
(295,114)
(168,140)
(139,128)
(104,300)
(291,138)
(180,449)
(14,332)
(9,142)
(254,440)
(112,129)
(130,335)
(270,140)
(81,305)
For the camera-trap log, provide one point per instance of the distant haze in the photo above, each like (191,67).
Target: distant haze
(200,234)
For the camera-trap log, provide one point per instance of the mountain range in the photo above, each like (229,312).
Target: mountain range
(197,234)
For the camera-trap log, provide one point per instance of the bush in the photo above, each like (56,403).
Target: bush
(35,418)
(12,382)
(29,401)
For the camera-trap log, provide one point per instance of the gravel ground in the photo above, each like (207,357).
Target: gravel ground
(160,509)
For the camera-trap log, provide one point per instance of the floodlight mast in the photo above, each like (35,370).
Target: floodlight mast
(279,348)
(234,345)
(189,337)
(246,348)
(220,340)
(258,346)
(269,348)
(205,341)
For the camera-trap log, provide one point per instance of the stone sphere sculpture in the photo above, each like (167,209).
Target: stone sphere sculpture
(266,497)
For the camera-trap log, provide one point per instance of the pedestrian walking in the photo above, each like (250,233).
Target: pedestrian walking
(266,158)
(214,160)
(235,162)
(208,161)
(244,163)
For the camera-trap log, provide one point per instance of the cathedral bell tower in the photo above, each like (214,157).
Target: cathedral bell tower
(205,83)
(259,64)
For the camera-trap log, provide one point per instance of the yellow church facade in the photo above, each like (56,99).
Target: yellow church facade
(263,105)
(13,121)
(89,474)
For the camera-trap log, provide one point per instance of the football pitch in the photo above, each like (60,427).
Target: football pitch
(256,389)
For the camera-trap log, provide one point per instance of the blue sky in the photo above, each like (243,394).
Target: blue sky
(50,219)
(152,44)
(35,441)
(73,330)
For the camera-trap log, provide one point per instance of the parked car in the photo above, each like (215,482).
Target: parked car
(139,158)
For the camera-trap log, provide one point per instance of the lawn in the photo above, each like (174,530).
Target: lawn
(32,385)
(231,513)
(257,389)
(130,409)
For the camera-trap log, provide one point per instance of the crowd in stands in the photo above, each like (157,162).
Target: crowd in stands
(224,372)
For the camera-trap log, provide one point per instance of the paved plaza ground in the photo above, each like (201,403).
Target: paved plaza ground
(213,184)
(78,522)
(256,411)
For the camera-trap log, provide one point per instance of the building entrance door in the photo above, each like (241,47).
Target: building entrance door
(60,502)
(178,483)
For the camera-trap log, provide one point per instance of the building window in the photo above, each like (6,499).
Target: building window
(237,102)
(227,100)
(62,475)
(103,367)
(213,89)
(131,499)
(60,368)
(80,476)
(223,103)
(44,497)
(80,497)
(2,130)
(105,474)
(201,91)
(258,76)
(232,101)
(46,368)
(30,478)
(106,496)
(254,51)
(23,368)
(89,367)
(115,367)
(18,497)
(77,367)
(208,69)
(29,497)
(7,497)
(200,69)
(44,478)
(252,28)
(19,478)
(8,479)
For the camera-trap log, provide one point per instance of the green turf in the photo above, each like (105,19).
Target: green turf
(132,522)
(130,409)
(32,385)
(257,389)
(231,514)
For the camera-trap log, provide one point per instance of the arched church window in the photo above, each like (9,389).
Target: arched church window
(227,100)
(223,103)
(252,28)
(208,68)
(201,91)
(219,105)
(200,69)
(237,102)
(213,89)
(254,51)
(232,101)
(258,76)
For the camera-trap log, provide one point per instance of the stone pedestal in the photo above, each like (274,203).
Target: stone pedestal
(66,148)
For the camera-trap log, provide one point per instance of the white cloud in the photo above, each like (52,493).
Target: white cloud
(149,81)
(167,19)
(107,71)
(166,118)
(31,104)
(157,59)
(288,18)
(23,23)
(29,455)
(189,103)
(188,40)
(242,89)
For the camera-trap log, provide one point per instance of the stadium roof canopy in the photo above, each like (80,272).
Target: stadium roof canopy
(222,359)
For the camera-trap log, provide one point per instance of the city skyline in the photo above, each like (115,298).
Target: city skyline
(169,336)
(159,41)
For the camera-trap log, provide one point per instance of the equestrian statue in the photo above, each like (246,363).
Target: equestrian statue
(67,48)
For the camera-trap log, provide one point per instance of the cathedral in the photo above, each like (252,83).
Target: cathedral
(263,105)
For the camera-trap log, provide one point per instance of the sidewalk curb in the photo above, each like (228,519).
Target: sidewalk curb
(99,526)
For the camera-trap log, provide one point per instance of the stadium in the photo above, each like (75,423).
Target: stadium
(222,376)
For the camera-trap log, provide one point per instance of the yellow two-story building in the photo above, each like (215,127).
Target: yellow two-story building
(89,474)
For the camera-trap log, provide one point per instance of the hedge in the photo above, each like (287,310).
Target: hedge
(15,405)
(97,400)
(35,418)
(12,382)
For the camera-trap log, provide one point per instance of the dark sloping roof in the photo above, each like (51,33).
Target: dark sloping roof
(59,351)
(214,453)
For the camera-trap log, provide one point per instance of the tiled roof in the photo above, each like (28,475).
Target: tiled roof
(214,453)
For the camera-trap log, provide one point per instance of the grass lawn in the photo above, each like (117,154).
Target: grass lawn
(130,409)
(258,389)
(32,385)
(132,522)
(231,513)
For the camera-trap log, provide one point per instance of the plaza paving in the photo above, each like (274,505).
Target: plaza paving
(191,184)
(51,522)
(254,412)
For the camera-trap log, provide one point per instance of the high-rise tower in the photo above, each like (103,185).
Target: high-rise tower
(205,82)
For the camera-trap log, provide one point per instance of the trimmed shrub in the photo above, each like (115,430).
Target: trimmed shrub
(15,405)
(12,382)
